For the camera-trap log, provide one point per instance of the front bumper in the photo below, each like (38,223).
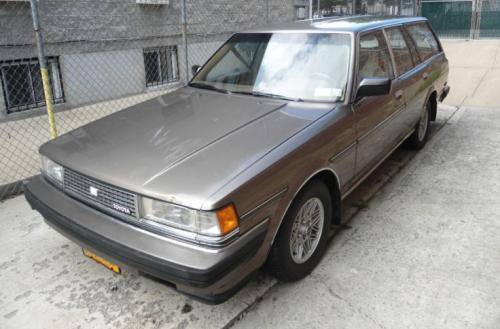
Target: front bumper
(165,258)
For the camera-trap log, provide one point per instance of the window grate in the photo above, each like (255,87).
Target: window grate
(22,84)
(161,65)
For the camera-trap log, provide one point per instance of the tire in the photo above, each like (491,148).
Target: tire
(419,138)
(284,262)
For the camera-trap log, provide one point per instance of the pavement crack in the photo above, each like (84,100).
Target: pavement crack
(491,67)
(251,306)
(353,307)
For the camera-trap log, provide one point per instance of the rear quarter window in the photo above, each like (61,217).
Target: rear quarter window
(425,41)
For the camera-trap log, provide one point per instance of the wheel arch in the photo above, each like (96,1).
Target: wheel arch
(433,98)
(332,182)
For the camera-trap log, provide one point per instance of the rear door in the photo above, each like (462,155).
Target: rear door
(407,81)
(374,114)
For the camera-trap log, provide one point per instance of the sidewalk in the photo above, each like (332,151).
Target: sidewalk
(474,72)
(424,253)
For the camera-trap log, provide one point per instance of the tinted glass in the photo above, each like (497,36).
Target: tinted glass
(413,50)
(309,66)
(402,55)
(374,58)
(424,39)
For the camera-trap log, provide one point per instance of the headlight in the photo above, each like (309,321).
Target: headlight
(217,223)
(52,170)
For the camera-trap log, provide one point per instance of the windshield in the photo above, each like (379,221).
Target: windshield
(297,66)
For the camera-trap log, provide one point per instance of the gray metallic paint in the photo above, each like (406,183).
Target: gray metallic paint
(203,149)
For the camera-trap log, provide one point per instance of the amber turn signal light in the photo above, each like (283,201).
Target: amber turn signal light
(228,218)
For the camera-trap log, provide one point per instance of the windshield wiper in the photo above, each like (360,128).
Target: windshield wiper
(201,85)
(269,95)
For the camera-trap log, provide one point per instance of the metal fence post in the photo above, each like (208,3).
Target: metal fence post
(47,89)
(475,19)
(184,38)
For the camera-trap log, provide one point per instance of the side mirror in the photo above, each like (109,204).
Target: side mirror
(195,68)
(373,87)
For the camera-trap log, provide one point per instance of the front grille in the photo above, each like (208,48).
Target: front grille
(108,197)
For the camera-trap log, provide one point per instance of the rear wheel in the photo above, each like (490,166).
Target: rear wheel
(302,238)
(419,137)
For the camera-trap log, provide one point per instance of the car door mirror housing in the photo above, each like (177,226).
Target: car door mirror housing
(195,68)
(373,87)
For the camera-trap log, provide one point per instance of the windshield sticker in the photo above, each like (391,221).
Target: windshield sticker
(327,92)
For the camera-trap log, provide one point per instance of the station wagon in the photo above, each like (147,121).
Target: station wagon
(246,165)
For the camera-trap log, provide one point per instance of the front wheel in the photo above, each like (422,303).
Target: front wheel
(421,134)
(302,238)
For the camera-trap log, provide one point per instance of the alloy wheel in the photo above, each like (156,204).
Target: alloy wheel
(306,230)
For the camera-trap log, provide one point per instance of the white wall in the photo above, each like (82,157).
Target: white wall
(93,77)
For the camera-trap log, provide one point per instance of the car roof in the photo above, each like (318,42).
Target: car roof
(340,24)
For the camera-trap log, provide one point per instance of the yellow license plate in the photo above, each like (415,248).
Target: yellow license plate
(113,267)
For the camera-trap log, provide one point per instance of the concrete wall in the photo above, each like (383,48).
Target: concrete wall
(93,77)
(199,53)
(100,42)
(100,25)
(2,102)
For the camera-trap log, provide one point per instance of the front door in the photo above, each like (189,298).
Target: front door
(374,115)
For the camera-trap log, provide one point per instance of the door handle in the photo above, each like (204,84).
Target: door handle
(425,76)
(398,94)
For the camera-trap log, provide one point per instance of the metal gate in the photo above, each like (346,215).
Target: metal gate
(488,19)
(464,18)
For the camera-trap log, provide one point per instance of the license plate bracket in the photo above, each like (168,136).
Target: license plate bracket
(104,262)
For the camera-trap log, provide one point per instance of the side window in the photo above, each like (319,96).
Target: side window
(374,57)
(427,45)
(402,55)
(413,50)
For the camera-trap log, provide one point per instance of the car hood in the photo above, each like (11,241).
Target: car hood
(181,147)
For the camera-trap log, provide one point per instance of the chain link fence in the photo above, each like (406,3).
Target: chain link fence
(106,55)
(332,8)
(464,19)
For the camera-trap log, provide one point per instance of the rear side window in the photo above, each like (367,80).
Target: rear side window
(402,55)
(374,57)
(427,45)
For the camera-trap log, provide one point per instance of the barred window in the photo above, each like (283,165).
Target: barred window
(22,84)
(161,65)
